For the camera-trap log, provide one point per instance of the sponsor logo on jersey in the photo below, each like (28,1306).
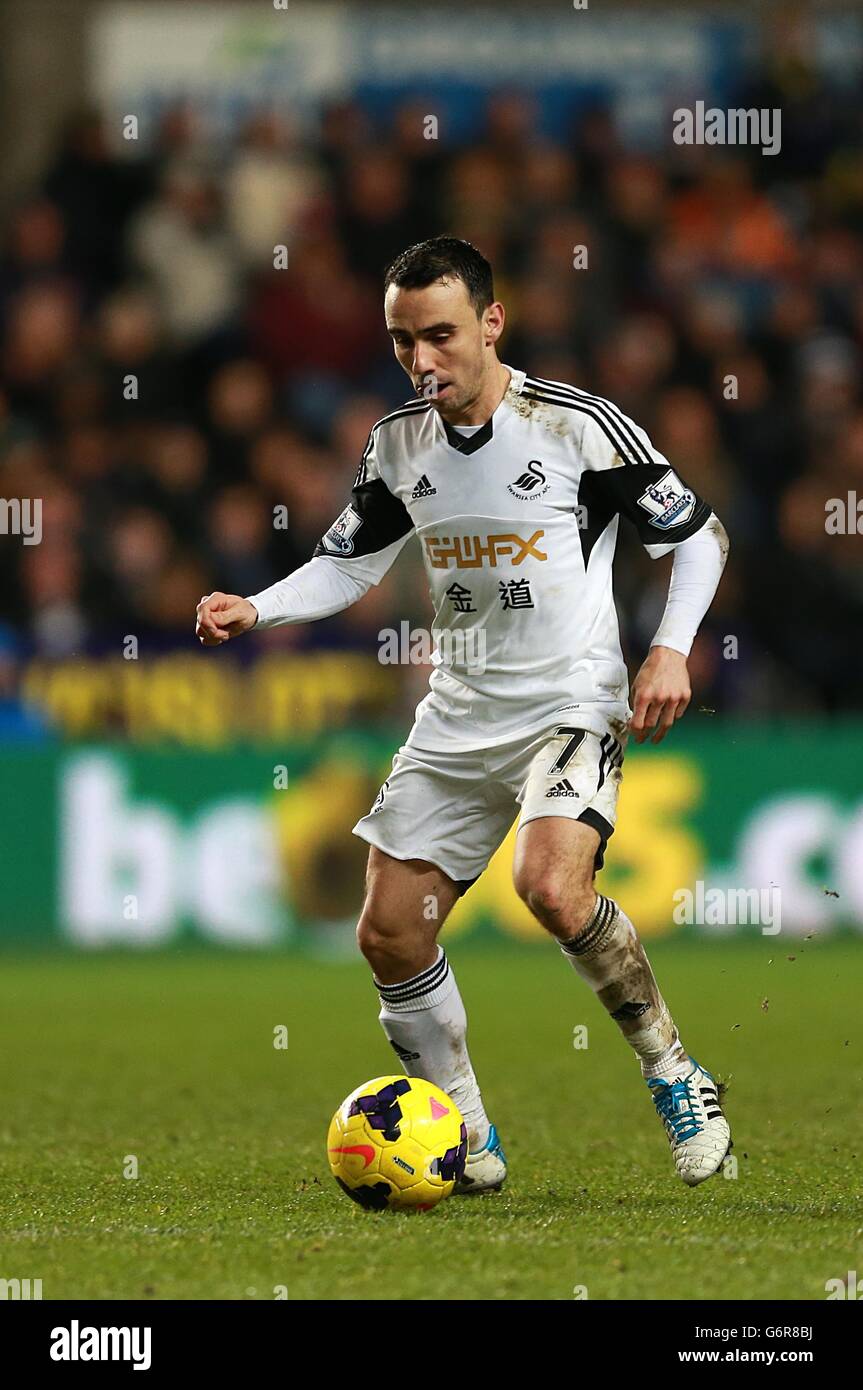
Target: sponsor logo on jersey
(668,502)
(562,788)
(471,552)
(423,488)
(339,540)
(531,483)
(379,799)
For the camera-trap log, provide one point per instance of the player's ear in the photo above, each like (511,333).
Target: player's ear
(494,318)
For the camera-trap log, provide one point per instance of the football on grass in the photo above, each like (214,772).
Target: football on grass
(398,1142)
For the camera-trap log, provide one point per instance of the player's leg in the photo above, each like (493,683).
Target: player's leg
(422,1013)
(434,824)
(559,846)
(554,871)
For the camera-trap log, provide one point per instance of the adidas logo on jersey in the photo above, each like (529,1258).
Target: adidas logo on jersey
(531,483)
(423,489)
(563,788)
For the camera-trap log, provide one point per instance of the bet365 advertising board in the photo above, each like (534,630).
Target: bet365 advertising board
(721,829)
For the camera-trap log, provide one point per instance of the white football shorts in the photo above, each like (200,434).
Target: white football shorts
(455,808)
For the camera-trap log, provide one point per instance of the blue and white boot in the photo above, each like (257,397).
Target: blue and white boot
(484,1170)
(697,1130)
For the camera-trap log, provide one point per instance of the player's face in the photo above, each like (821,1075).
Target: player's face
(440,342)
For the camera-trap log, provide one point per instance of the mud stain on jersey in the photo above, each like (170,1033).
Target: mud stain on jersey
(715,526)
(544,413)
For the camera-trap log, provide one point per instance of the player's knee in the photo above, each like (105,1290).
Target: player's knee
(555,901)
(378,936)
(370,936)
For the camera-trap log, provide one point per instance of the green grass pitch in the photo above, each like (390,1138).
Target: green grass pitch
(170,1059)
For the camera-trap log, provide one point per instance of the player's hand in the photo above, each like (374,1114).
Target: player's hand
(221,616)
(660,694)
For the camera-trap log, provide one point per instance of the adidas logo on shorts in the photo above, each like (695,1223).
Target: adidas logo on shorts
(562,788)
(423,489)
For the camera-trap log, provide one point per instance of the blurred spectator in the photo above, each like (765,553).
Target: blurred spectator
(316,315)
(269,191)
(180,241)
(96,194)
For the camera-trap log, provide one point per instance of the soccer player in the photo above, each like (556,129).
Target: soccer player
(513,486)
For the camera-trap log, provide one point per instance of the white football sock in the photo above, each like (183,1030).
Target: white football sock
(608,955)
(425,1021)
(670,1066)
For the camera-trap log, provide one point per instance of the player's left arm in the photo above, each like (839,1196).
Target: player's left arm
(635,479)
(661,691)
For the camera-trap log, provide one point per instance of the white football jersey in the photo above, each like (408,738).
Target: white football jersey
(517,525)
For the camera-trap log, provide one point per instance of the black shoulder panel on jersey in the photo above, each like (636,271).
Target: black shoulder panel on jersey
(371,521)
(655,498)
(600,509)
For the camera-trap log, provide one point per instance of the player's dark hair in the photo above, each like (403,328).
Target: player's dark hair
(444,258)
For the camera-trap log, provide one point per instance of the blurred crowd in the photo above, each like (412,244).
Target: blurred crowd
(167,392)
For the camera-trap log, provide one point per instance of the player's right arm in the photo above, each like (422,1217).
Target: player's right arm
(355,553)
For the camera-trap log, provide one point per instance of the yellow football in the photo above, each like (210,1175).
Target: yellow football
(397,1142)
